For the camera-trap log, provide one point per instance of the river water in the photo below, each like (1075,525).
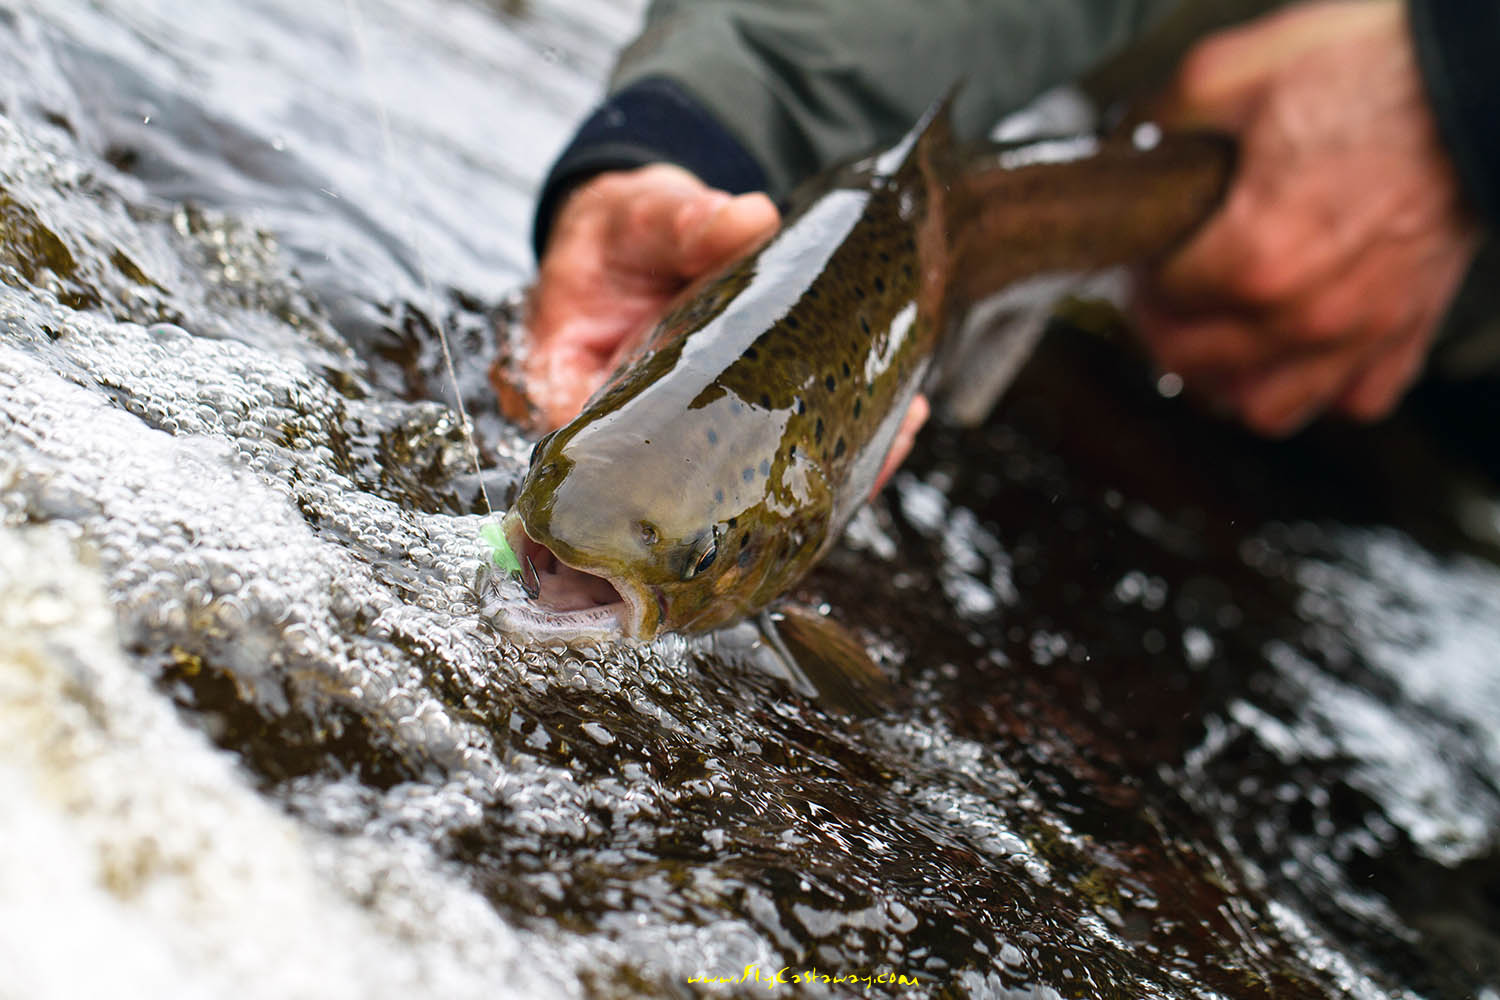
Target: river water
(1180,714)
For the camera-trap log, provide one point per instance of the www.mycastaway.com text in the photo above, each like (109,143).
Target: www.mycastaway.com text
(786,976)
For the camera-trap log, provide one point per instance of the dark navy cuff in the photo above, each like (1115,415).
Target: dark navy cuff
(1456,43)
(651,121)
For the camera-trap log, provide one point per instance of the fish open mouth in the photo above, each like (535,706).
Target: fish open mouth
(566,602)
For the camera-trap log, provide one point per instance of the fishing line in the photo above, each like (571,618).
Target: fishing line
(407,214)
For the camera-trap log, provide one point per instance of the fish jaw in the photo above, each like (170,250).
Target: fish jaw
(569,602)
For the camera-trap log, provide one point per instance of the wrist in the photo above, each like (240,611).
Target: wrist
(651,121)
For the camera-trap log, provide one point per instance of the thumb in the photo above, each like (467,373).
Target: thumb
(712,231)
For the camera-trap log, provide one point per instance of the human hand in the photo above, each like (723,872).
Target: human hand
(622,246)
(1320,282)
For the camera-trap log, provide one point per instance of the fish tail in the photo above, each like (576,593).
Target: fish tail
(1078,205)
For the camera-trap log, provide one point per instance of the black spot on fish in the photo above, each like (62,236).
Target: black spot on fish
(748,474)
(838,448)
(864,324)
(751,354)
(713,436)
(880,285)
(792,324)
(814,294)
(911,244)
(732,522)
(885,256)
(829,382)
(801,406)
(870,389)
(765,467)
(818,431)
(846,369)
(859,293)
(765,401)
(907,269)
(744,539)
(858,405)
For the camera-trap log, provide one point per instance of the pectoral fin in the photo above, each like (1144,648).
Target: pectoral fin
(826,661)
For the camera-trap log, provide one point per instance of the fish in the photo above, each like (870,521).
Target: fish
(717,465)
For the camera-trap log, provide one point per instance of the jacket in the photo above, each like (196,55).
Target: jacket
(760,94)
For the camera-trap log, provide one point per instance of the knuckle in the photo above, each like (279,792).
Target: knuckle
(1267,274)
(1272,414)
(1325,320)
(609,186)
(1372,406)
(636,216)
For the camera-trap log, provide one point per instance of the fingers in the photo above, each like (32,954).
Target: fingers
(622,246)
(665,227)
(1376,389)
(906,436)
(714,233)
(646,215)
(1283,400)
(1247,253)
(1320,281)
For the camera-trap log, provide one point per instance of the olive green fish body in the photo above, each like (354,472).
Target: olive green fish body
(716,467)
(712,471)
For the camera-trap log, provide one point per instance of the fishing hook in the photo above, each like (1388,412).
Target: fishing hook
(533,587)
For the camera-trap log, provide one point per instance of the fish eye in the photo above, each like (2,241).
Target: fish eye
(702,557)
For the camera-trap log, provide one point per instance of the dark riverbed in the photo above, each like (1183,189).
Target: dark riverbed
(1180,713)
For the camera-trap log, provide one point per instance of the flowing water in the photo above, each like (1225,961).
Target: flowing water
(1181,714)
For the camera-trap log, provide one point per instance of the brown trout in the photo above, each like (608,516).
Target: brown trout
(716,467)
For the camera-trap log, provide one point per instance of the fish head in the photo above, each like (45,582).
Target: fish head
(630,538)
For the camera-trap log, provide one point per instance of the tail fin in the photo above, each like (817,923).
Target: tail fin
(930,139)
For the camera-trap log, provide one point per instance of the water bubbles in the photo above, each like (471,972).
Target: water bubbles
(597,733)
(1136,587)
(1198,646)
(1146,136)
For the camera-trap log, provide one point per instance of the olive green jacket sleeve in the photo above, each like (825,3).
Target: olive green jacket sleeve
(759,94)
(802,85)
